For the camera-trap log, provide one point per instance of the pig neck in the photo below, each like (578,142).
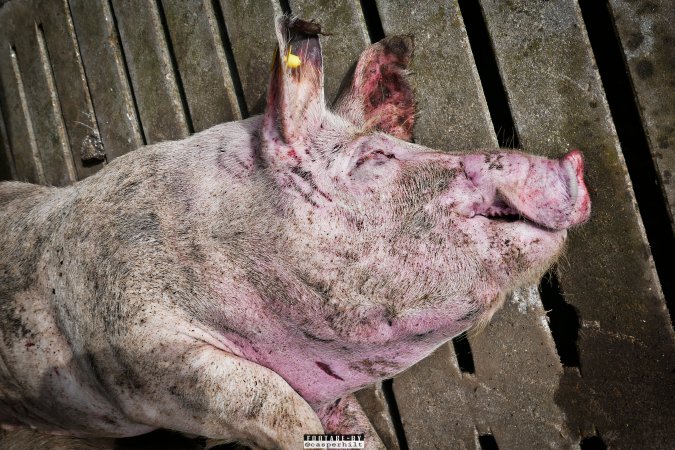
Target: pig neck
(249,294)
(270,314)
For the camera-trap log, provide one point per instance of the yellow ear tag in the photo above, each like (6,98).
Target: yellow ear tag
(292,61)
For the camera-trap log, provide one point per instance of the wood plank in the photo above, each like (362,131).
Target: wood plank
(250,27)
(348,37)
(152,76)
(202,62)
(71,86)
(626,344)
(41,98)
(645,32)
(108,84)
(440,406)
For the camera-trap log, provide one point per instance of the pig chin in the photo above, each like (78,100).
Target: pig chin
(550,245)
(519,252)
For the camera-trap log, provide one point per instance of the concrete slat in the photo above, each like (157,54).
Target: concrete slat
(374,404)
(626,344)
(152,77)
(645,32)
(202,62)
(517,372)
(71,86)
(440,406)
(40,96)
(424,391)
(451,112)
(250,27)
(432,404)
(108,85)
(17,119)
(348,37)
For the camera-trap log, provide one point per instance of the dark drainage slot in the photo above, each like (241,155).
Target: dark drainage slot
(487,442)
(563,320)
(488,72)
(463,353)
(373,22)
(230,447)
(593,443)
(388,391)
(285,6)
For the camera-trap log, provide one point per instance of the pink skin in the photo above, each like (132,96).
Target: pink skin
(398,248)
(323,360)
(322,245)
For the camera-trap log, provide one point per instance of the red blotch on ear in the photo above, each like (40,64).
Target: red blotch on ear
(380,96)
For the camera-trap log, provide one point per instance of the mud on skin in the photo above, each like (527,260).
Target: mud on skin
(242,283)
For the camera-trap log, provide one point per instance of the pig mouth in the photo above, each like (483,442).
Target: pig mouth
(501,211)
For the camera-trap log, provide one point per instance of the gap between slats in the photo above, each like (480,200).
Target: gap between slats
(4,138)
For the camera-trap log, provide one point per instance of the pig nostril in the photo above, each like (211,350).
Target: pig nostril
(576,160)
(572,180)
(573,165)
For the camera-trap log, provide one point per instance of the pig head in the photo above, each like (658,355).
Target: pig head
(241,283)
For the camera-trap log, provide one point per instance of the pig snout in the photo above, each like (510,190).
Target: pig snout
(550,193)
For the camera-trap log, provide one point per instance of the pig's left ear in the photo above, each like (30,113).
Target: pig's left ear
(379,96)
(295,103)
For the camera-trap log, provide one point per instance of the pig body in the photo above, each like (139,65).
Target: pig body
(241,283)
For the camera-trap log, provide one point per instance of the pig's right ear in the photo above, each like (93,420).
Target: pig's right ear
(295,103)
(379,96)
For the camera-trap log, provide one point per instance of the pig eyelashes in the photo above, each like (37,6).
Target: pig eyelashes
(370,166)
(379,157)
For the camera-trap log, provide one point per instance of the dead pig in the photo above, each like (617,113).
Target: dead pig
(242,283)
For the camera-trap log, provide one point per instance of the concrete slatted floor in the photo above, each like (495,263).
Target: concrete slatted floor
(586,359)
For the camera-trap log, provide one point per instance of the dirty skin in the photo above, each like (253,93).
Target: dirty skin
(242,283)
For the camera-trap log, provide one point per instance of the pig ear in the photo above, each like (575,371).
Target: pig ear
(379,96)
(295,101)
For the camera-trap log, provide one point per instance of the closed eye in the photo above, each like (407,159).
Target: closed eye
(378,156)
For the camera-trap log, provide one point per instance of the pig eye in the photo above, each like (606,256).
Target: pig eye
(372,166)
(378,157)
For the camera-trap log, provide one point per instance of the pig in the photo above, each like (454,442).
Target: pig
(242,283)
